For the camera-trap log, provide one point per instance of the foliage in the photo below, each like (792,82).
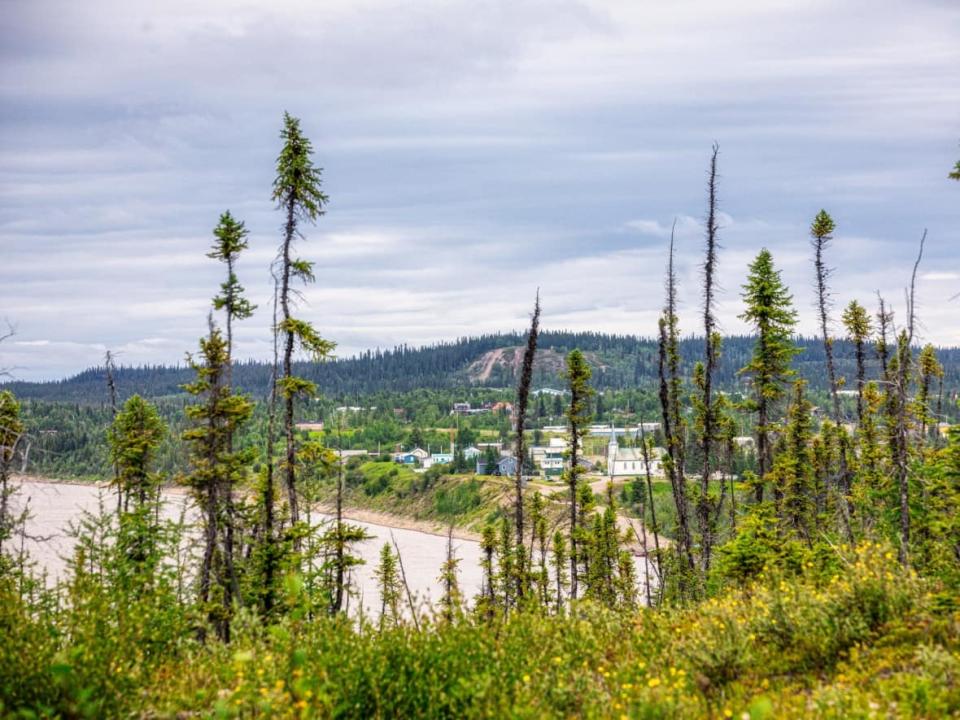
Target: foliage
(823,644)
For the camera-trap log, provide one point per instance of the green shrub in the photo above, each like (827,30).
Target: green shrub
(459,499)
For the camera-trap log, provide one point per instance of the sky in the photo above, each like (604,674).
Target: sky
(472,153)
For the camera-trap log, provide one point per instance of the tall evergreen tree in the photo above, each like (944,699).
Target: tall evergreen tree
(297,192)
(793,471)
(134,437)
(450,600)
(559,567)
(674,424)
(884,326)
(230,240)
(705,405)
(216,469)
(821,233)
(578,421)
(770,312)
(857,322)
(388,581)
(929,369)
(523,395)
(11,433)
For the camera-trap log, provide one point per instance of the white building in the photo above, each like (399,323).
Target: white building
(628,462)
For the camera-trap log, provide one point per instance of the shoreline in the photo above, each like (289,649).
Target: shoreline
(398,522)
(371,517)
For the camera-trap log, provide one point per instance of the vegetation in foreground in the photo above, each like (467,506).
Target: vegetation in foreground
(842,636)
(830,590)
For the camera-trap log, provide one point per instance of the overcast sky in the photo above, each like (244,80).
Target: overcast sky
(472,151)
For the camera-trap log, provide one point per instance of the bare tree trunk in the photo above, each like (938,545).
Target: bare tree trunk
(669,373)
(338,592)
(653,512)
(861,380)
(903,378)
(823,302)
(112,392)
(290,465)
(406,585)
(574,460)
(269,521)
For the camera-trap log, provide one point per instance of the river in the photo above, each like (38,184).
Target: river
(54,506)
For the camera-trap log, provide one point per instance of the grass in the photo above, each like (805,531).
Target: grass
(464,500)
(870,641)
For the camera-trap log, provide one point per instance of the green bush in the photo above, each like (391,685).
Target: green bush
(459,499)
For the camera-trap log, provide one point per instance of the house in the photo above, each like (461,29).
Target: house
(605,430)
(548,391)
(623,462)
(310,426)
(502,406)
(461,408)
(471,452)
(412,457)
(550,458)
(506,466)
(347,454)
(441,458)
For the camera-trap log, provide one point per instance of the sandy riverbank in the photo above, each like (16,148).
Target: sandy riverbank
(388,520)
(399,522)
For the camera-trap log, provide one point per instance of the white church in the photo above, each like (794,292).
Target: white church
(628,462)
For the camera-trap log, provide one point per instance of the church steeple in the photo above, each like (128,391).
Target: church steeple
(612,448)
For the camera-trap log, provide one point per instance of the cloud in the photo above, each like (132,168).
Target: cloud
(472,153)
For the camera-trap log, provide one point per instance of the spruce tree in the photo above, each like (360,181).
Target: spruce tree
(388,581)
(450,600)
(928,369)
(523,395)
(487,603)
(134,437)
(674,424)
(559,567)
(705,407)
(216,470)
(231,240)
(857,322)
(11,433)
(770,312)
(821,233)
(577,375)
(297,192)
(793,468)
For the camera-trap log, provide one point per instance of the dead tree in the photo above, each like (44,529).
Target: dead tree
(523,394)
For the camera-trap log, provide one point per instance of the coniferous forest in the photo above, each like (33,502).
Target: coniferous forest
(816,574)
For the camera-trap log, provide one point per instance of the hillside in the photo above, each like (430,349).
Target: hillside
(618,361)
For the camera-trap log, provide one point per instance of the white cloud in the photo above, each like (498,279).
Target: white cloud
(471,152)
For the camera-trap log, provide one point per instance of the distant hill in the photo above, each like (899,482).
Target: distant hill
(618,361)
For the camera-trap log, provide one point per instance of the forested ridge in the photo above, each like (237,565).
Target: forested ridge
(819,580)
(623,361)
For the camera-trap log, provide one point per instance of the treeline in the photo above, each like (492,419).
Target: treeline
(622,362)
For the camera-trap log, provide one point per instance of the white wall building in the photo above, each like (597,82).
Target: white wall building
(628,462)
